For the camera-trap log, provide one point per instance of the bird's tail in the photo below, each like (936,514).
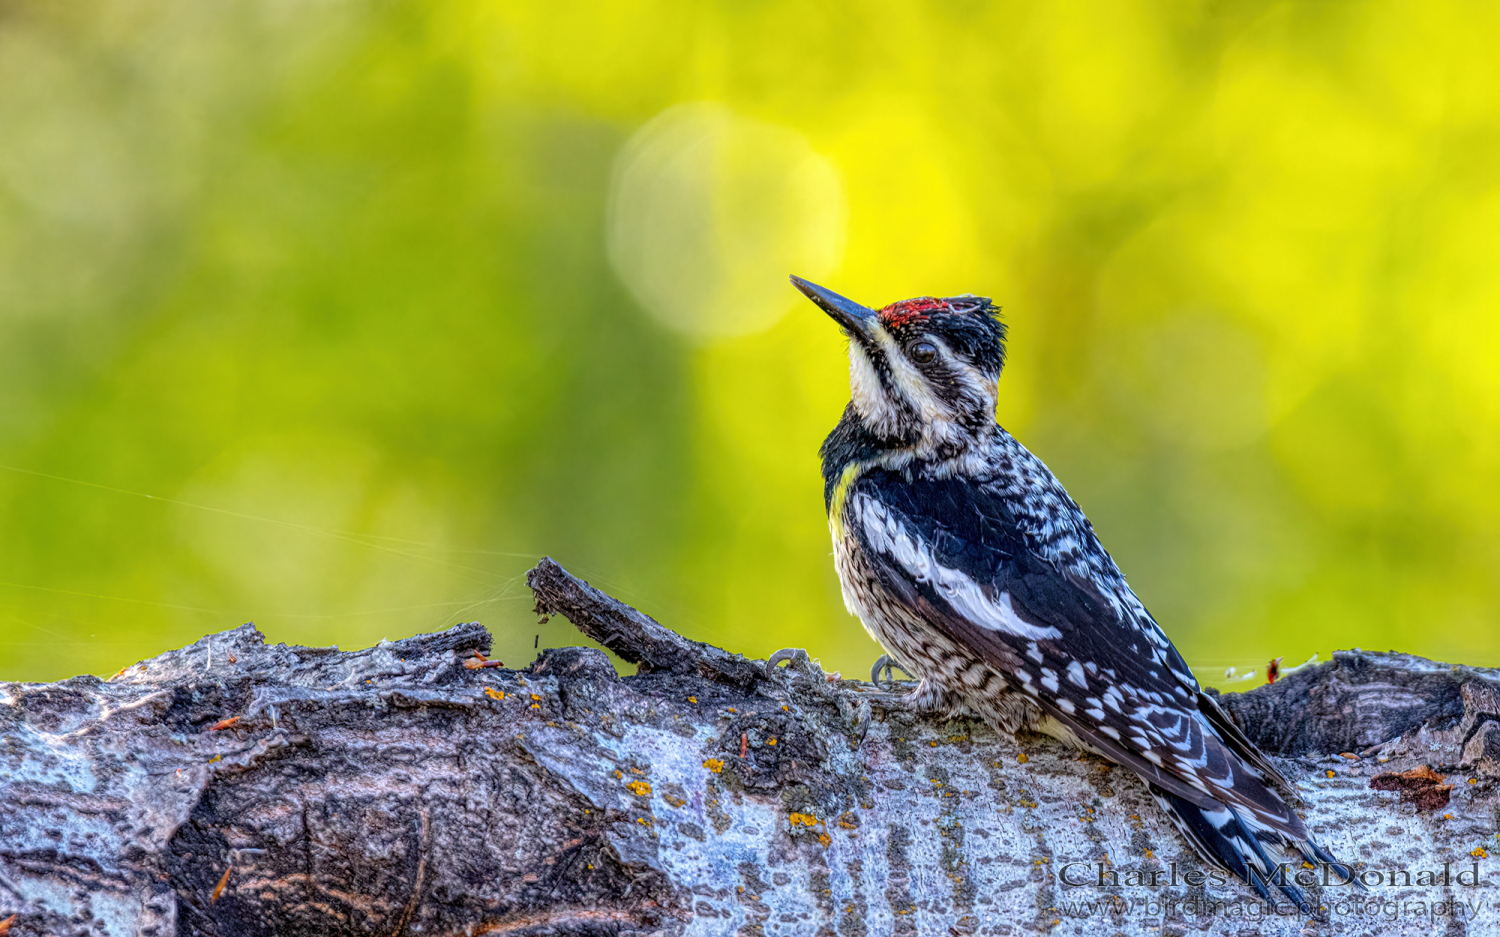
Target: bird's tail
(1238,844)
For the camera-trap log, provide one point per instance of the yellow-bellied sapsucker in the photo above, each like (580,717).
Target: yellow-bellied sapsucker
(970,564)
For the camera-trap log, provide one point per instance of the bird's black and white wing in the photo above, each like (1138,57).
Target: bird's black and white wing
(978,573)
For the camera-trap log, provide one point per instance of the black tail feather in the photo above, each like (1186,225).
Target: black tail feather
(1315,853)
(1222,838)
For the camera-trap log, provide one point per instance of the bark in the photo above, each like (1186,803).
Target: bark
(235,788)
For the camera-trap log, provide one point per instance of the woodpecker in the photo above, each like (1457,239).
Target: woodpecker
(968,562)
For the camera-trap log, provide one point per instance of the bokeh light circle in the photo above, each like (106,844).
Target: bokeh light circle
(708,213)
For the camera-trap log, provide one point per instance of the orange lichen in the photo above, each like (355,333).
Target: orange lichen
(1479,853)
(639,788)
(493,693)
(1022,758)
(714,765)
(770,741)
(803,819)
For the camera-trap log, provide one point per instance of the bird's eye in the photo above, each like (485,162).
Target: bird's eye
(922,352)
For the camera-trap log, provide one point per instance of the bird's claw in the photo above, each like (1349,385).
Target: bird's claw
(859,715)
(794,655)
(883,663)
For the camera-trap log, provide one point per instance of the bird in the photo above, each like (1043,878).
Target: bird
(971,566)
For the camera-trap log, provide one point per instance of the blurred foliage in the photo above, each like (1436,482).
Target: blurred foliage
(334,316)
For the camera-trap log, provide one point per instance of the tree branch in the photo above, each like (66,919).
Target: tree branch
(235,788)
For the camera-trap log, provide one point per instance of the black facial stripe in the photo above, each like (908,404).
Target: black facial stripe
(976,337)
(955,385)
(882,368)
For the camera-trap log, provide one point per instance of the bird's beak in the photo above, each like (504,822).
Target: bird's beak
(856,319)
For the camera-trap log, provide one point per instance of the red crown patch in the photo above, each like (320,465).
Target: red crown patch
(909,310)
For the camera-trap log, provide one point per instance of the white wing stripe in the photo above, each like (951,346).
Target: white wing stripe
(890,537)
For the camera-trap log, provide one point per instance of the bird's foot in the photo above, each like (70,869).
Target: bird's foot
(795,658)
(856,714)
(929,699)
(883,664)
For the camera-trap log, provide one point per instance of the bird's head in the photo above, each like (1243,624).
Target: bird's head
(922,372)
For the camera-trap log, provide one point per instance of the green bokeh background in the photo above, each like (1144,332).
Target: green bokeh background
(335,316)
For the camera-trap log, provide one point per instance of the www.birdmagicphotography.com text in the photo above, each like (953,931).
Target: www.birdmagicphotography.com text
(1198,907)
(1093,889)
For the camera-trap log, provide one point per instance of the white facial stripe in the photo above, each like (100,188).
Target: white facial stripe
(868,396)
(887,535)
(910,382)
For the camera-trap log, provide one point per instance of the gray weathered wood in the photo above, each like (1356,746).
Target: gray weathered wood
(395,791)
